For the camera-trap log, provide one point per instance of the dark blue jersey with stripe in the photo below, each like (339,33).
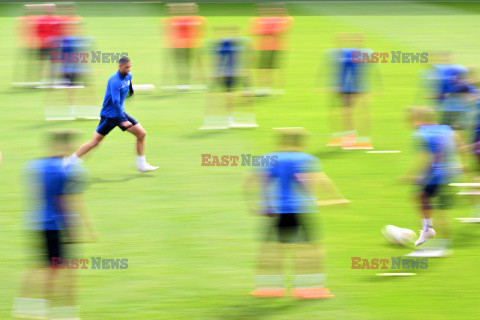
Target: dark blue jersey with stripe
(115,94)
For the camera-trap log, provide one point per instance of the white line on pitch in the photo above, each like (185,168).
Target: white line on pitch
(143,87)
(466,184)
(396,274)
(386,151)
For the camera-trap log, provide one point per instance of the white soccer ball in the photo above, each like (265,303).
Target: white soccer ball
(399,236)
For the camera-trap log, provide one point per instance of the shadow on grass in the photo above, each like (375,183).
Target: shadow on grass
(258,308)
(201,134)
(466,235)
(95,180)
(58,123)
(156,95)
(331,152)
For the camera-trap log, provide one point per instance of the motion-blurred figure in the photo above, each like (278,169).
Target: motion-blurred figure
(49,29)
(71,44)
(447,87)
(183,33)
(24,73)
(437,164)
(48,289)
(470,96)
(349,81)
(73,71)
(288,187)
(270,30)
(230,85)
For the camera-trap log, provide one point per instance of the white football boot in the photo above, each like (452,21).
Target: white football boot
(425,235)
(147,167)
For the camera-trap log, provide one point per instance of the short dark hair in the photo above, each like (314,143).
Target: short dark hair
(61,138)
(123,60)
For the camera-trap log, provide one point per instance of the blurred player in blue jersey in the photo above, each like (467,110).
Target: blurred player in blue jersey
(54,220)
(350,80)
(288,188)
(113,114)
(472,94)
(230,84)
(447,85)
(437,165)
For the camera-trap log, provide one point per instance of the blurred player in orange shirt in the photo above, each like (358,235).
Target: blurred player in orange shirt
(183,37)
(270,30)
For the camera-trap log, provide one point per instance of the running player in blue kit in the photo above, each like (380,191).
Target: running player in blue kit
(436,166)
(113,114)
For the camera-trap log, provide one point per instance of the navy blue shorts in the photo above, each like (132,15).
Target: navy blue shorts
(108,124)
(431,190)
(443,193)
(53,244)
(290,227)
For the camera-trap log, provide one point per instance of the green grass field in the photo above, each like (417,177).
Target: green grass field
(185,230)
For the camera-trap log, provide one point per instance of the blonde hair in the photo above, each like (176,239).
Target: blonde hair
(291,137)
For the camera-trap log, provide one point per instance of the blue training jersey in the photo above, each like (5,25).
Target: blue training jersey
(115,94)
(227,51)
(48,181)
(230,56)
(350,76)
(71,47)
(439,142)
(445,80)
(283,192)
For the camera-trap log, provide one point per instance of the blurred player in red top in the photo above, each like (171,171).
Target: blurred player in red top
(49,29)
(183,33)
(270,30)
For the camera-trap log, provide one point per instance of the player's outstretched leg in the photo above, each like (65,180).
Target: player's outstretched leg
(86,147)
(427,222)
(138,131)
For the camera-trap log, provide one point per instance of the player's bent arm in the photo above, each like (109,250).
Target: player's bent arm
(77,205)
(462,147)
(326,184)
(463,151)
(250,186)
(130,90)
(319,184)
(417,170)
